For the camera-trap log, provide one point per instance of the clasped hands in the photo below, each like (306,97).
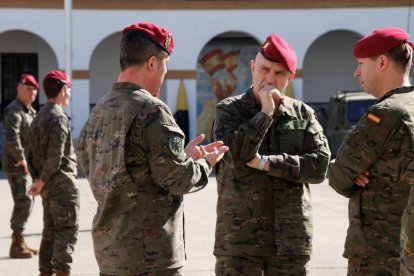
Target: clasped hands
(362,180)
(36,187)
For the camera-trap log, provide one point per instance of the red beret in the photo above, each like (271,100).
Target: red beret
(276,49)
(59,75)
(380,41)
(27,79)
(158,35)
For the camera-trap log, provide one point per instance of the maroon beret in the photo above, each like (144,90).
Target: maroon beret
(276,49)
(27,79)
(158,35)
(380,41)
(59,75)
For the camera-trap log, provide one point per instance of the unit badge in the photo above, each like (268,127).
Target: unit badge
(167,41)
(266,45)
(176,144)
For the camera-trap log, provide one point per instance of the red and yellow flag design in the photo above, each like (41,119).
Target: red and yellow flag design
(374,118)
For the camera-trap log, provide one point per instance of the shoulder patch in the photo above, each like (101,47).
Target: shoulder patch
(374,118)
(176,144)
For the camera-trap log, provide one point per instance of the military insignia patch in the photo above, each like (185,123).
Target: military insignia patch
(176,144)
(266,45)
(167,41)
(374,118)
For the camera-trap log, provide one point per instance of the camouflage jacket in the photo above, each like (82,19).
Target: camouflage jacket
(382,143)
(51,151)
(16,121)
(132,153)
(259,213)
(407,231)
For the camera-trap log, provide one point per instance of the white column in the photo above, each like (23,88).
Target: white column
(68,45)
(191,89)
(79,105)
(297,85)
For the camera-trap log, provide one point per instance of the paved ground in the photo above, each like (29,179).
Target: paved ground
(330,223)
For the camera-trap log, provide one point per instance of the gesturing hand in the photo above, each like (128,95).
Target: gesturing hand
(212,152)
(193,150)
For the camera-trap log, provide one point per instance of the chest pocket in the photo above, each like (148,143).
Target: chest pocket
(25,128)
(397,160)
(290,136)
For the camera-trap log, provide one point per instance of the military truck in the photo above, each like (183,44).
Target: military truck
(344,111)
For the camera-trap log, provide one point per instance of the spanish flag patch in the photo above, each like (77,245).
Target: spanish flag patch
(374,118)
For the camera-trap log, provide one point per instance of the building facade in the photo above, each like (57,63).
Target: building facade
(214,39)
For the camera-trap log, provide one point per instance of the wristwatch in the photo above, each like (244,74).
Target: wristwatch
(262,163)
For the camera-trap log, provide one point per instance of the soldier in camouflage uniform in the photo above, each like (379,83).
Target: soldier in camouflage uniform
(18,116)
(52,163)
(132,153)
(407,238)
(374,165)
(277,148)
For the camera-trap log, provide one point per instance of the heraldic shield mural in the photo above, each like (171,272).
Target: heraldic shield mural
(223,70)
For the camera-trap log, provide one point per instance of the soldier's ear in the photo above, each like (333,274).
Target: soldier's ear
(252,63)
(291,76)
(383,61)
(62,92)
(151,63)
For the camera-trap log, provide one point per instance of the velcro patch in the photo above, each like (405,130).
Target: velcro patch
(176,144)
(374,118)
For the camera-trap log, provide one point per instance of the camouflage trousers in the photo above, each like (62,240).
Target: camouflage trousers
(19,185)
(60,225)
(407,262)
(168,272)
(295,265)
(373,267)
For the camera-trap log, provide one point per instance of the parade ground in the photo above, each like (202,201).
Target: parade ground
(330,224)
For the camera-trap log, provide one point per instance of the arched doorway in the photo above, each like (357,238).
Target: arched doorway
(328,67)
(23,52)
(103,67)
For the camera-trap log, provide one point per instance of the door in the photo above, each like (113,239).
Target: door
(12,66)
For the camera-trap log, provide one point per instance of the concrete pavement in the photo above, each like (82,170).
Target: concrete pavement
(330,224)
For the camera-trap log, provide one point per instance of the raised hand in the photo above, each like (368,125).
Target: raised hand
(270,99)
(193,150)
(212,152)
